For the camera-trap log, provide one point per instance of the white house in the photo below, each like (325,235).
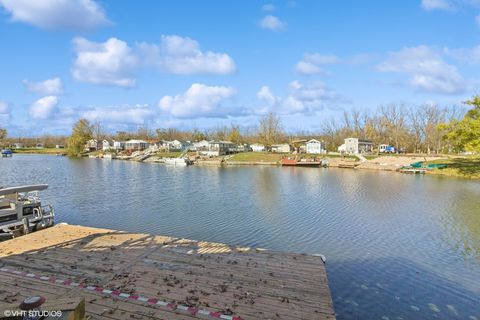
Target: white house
(216,148)
(200,145)
(119,145)
(174,145)
(257,147)
(92,145)
(281,148)
(241,147)
(356,146)
(136,145)
(313,146)
(106,145)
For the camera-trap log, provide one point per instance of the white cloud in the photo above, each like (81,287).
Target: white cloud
(43,107)
(308,68)
(266,95)
(182,55)
(4,108)
(200,100)
(311,63)
(464,55)
(301,98)
(109,63)
(57,14)
(436,5)
(426,68)
(48,87)
(114,62)
(269,7)
(119,115)
(272,23)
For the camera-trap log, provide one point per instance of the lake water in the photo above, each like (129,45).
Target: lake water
(397,246)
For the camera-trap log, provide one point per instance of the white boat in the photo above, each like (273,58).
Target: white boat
(109,156)
(179,162)
(22,211)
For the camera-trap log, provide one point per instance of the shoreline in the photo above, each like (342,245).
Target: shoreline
(390,163)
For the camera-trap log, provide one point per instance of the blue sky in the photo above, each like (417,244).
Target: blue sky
(205,64)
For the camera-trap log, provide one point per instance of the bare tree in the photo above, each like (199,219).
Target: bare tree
(270,129)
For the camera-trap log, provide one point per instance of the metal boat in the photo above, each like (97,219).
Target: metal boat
(21,210)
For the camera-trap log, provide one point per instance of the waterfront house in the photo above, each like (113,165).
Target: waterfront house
(136,145)
(161,145)
(39,146)
(175,145)
(118,145)
(242,147)
(106,145)
(358,146)
(186,145)
(281,148)
(257,147)
(234,148)
(200,145)
(59,146)
(216,148)
(314,146)
(92,145)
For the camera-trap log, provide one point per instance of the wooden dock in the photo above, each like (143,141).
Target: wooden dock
(413,170)
(139,276)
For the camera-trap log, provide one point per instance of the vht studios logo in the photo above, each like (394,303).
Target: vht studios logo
(33,314)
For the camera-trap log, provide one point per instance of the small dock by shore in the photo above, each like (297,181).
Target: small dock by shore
(125,275)
(413,170)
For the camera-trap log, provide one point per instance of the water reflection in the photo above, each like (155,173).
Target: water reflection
(266,190)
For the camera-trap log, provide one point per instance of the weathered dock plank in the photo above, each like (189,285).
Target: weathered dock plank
(138,276)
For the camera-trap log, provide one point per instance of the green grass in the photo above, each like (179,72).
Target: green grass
(256,157)
(465,167)
(39,151)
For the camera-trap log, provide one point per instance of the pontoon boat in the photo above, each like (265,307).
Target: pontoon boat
(21,210)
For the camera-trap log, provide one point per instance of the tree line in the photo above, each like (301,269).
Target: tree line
(429,129)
